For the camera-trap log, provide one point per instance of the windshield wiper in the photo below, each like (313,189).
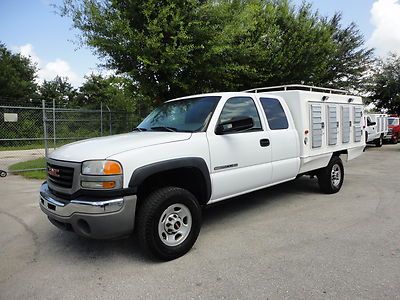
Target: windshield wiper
(139,129)
(164,128)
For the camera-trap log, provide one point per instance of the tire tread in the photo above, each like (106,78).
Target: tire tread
(145,220)
(324,176)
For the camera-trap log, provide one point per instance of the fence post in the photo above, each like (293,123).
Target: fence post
(101,118)
(54,124)
(44,128)
(109,113)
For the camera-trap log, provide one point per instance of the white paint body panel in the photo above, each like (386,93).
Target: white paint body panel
(380,128)
(246,166)
(195,146)
(104,147)
(299,103)
(257,167)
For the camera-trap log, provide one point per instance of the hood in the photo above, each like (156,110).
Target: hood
(104,147)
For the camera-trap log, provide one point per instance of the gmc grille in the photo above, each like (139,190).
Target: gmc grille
(60,176)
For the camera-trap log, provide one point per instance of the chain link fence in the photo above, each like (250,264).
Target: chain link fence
(29,132)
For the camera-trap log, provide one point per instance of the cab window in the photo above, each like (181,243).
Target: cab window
(240,107)
(275,114)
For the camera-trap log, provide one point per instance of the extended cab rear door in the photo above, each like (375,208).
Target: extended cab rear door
(285,148)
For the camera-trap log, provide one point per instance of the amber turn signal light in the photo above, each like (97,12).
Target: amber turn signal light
(112,168)
(108,184)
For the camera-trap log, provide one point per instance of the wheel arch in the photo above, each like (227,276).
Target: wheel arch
(338,153)
(191,173)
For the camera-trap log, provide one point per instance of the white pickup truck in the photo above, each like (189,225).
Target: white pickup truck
(377,128)
(198,150)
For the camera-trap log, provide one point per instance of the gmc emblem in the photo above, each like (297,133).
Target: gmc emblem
(53,172)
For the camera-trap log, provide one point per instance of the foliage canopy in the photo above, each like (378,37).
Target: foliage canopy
(114,92)
(385,88)
(17,75)
(173,48)
(59,90)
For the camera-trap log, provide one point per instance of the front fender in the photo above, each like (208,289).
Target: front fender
(144,172)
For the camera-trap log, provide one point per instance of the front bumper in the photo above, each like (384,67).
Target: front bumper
(93,218)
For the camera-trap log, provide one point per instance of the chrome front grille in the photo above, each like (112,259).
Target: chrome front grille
(60,176)
(63,177)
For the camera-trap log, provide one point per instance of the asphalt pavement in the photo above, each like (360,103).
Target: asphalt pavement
(288,241)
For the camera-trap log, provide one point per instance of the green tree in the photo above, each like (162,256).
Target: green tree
(17,75)
(58,89)
(114,92)
(350,62)
(385,87)
(174,47)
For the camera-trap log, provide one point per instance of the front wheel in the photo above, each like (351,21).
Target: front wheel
(330,178)
(168,223)
(395,139)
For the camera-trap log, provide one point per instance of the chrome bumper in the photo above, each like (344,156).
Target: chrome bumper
(66,209)
(107,218)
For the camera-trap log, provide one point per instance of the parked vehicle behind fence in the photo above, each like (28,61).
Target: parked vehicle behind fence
(376,128)
(198,150)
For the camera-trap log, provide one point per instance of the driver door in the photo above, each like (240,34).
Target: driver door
(240,161)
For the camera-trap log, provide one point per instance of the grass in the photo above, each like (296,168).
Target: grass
(35,146)
(22,147)
(30,164)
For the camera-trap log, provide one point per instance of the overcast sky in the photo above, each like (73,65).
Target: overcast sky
(32,28)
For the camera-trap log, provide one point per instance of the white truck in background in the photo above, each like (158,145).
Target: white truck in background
(376,128)
(198,150)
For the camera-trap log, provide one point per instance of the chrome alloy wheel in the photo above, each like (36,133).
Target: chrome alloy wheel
(336,175)
(175,224)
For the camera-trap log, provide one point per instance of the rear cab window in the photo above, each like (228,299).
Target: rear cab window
(275,113)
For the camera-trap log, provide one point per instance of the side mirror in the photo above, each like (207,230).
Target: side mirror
(371,123)
(234,125)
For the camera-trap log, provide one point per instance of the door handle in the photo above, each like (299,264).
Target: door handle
(264,142)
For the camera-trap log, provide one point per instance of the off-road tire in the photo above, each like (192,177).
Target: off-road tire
(326,176)
(148,219)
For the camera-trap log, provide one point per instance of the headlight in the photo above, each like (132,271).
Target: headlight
(101,167)
(101,174)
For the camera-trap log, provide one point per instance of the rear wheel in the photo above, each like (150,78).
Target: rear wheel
(168,223)
(330,178)
(3,173)
(379,142)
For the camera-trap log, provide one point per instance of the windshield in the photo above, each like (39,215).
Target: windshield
(187,115)
(393,121)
